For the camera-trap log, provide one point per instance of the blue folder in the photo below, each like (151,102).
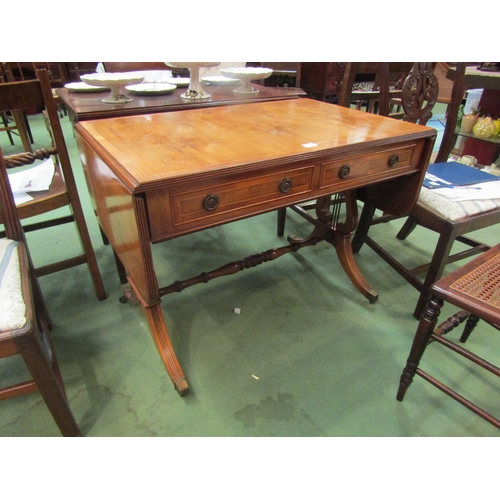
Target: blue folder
(453,173)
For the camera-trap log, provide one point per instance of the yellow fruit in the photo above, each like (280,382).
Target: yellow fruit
(497,125)
(484,128)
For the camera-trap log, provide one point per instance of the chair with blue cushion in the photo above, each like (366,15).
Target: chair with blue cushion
(449,219)
(24,320)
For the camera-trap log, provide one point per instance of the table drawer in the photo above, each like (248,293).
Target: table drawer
(195,205)
(371,167)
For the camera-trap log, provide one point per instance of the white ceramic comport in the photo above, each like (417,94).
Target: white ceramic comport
(246,75)
(116,82)
(194,91)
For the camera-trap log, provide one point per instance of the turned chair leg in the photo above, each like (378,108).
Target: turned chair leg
(435,271)
(470,324)
(424,331)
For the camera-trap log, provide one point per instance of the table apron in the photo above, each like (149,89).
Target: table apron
(192,205)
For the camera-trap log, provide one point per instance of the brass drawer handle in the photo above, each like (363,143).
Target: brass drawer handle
(285,185)
(393,160)
(344,171)
(210,202)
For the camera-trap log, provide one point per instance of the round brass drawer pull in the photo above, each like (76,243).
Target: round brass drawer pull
(285,185)
(344,171)
(210,202)
(393,160)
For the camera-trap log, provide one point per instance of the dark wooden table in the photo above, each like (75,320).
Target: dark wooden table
(155,177)
(89,106)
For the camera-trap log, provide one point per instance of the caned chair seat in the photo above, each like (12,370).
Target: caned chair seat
(475,289)
(12,306)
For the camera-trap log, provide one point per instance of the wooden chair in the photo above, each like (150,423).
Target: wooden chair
(23,318)
(63,191)
(450,220)
(56,72)
(475,290)
(383,85)
(14,120)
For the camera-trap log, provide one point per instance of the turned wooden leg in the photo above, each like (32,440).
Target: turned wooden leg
(470,324)
(435,271)
(424,331)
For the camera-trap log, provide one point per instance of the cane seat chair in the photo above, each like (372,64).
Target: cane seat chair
(24,321)
(475,290)
(452,221)
(63,190)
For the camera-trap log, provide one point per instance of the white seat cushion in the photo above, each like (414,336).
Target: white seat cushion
(454,210)
(12,306)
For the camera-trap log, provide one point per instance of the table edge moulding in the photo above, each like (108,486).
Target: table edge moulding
(158,176)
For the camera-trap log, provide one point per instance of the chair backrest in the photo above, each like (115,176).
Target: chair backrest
(38,94)
(414,94)
(457,95)
(419,93)
(22,71)
(386,78)
(3,72)
(13,229)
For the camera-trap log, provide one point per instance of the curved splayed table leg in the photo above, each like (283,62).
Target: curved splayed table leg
(339,235)
(342,233)
(158,329)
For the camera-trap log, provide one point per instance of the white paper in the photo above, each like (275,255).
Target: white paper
(481,191)
(20,198)
(33,179)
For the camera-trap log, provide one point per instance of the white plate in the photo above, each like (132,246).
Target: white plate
(179,82)
(151,88)
(219,80)
(84,87)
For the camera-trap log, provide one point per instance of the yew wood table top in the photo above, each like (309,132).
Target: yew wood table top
(89,106)
(153,177)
